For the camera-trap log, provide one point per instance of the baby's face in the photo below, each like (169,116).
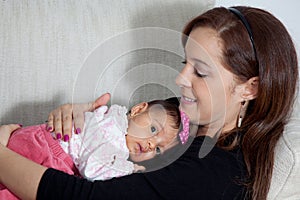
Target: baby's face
(150,133)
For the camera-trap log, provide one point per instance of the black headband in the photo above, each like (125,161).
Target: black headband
(247,26)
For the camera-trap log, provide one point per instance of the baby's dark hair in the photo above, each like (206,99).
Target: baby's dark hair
(171,105)
(172,110)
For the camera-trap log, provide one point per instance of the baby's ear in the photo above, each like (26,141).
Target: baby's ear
(139,108)
(251,88)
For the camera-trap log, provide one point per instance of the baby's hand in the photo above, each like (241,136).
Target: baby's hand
(6,131)
(138,168)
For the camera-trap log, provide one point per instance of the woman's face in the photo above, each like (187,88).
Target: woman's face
(209,94)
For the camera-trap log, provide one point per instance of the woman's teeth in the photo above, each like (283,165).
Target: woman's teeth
(189,99)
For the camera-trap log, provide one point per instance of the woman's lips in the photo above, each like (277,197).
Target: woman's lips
(187,100)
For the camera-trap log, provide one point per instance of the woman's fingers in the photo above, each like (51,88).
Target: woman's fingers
(61,119)
(100,101)
(6,131)
(78,116)
(57,123)
(66,121)
(50,122)
(52,117)
(80,109)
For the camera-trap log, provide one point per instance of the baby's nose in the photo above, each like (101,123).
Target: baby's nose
(152,144)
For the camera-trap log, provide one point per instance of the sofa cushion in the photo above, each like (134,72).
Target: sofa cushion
(286,171)
(45,43)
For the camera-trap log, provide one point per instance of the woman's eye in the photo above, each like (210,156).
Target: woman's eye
(198,74)
(157,151)
(153,129)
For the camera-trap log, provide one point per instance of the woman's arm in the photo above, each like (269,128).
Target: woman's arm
(217,176)
(18,174)
(189,177)
(61,119)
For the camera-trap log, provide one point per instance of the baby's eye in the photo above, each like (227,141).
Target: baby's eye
(157,151)
(153,129)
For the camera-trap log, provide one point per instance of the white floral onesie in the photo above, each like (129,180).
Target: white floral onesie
(100,151)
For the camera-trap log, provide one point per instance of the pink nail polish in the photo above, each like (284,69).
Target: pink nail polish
(66,138)
(20,125)
(78,131)
(58,136)
(49,128)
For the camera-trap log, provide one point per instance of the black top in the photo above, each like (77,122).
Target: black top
(216,176)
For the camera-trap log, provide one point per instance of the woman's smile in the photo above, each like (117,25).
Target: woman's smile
(187,100)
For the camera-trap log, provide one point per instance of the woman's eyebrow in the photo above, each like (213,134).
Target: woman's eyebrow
(199,61)
(194,59)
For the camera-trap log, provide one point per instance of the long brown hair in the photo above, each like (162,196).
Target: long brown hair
(277,69)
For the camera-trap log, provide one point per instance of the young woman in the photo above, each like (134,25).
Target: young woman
(238,87)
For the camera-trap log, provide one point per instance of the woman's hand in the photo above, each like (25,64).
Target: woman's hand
(6,131)
(60,120)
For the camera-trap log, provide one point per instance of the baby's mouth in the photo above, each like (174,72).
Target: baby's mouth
(141,149)
(137,149)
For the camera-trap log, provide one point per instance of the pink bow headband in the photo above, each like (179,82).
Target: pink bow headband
(184,134)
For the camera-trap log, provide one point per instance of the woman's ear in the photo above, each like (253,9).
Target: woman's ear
(139,108)
(250,89)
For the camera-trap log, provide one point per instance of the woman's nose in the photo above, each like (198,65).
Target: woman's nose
(183,78)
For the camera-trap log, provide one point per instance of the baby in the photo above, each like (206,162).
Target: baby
(110,142)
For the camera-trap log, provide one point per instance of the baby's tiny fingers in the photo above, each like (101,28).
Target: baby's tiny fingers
(139,168)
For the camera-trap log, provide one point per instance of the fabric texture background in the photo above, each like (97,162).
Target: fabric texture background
(45,43)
